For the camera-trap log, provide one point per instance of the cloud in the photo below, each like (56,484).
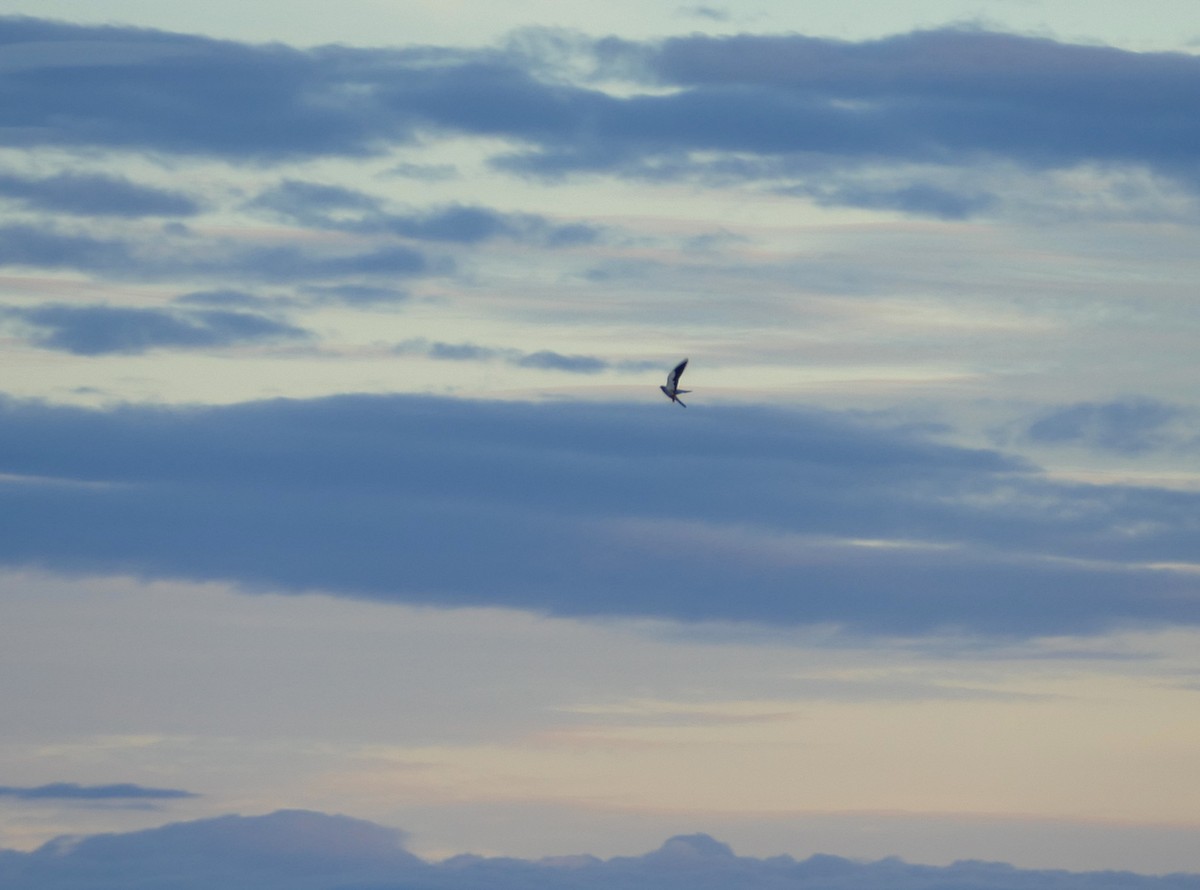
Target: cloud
(956,90)
(1125,426)
(225,299)
(777,108)
(173,259)
(312,203)
(712,13)
(74,792)
(333,207)
(472,225)
(287,849)
(426,172)
(918,198)
(285,264)
(95,195)
(101,330)
(455,352)
(732,514)
(23,245)
(357,294)
(576,364)
(129,88)
(545,359)
(949,97)
(301,850)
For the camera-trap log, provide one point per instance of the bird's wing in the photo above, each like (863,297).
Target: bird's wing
(676,373)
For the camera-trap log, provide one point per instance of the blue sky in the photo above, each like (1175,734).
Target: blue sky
(335,477)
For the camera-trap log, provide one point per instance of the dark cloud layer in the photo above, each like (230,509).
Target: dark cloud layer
(301,850)
(734,514)
(69,791)
(750,106)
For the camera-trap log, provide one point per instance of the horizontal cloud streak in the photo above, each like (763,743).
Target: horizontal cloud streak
(544,359)
(729,514)
(72,791)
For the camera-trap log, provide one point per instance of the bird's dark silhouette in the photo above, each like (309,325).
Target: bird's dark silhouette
(672,390)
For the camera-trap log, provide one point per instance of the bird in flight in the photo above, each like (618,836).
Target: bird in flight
(672,390)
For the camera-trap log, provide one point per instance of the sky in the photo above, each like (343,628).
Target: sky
(340,508)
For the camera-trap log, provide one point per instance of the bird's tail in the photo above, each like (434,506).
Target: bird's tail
(680,401)
(681,391)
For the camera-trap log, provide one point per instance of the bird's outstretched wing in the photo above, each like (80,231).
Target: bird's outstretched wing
(676,373)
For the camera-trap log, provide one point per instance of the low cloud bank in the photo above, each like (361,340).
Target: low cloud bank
(300,850)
